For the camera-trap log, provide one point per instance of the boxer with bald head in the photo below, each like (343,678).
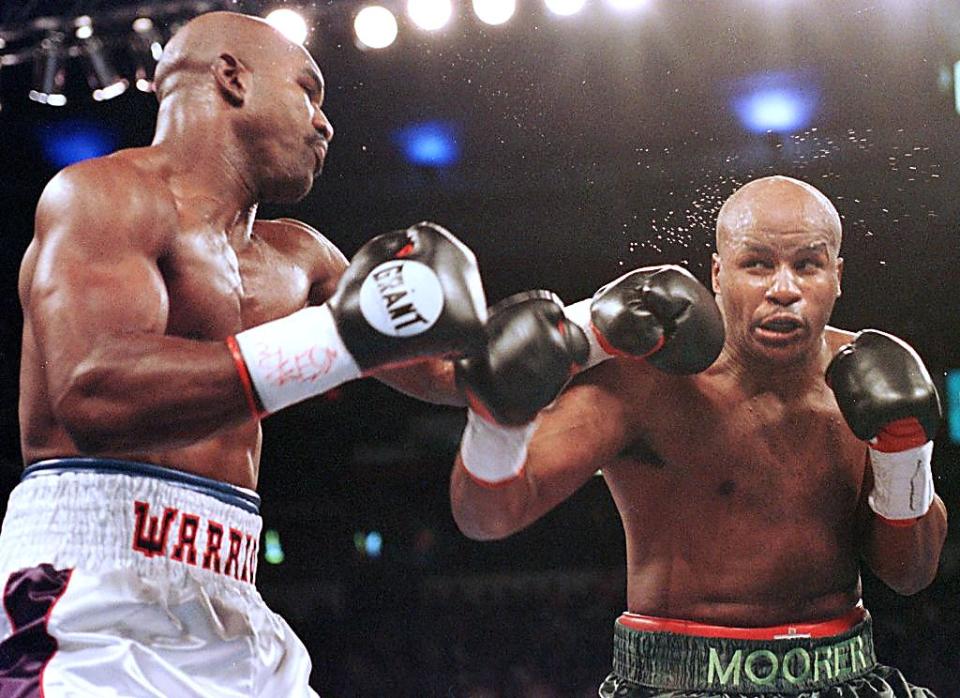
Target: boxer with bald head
(757,456)
(162,321)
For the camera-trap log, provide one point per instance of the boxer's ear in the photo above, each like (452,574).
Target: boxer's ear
(715,273)
(839,275)
(232,78)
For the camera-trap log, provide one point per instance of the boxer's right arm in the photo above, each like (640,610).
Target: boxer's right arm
(97,303)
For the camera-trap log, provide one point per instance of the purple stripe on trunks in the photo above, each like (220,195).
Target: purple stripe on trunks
(28,598)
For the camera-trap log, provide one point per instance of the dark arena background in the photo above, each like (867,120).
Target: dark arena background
(564,149)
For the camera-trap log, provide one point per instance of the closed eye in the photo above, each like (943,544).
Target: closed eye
(755,263)
(809,264)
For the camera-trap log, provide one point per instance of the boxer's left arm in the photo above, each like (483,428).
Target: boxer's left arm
(888,399)
(572,439)
(430,380)
(525,450)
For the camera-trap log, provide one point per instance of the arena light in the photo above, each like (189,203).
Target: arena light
(565,8)
(373,544)
(50,72)
(272,550)
(103,79)
(429,144)
(66,142)
(953,404)
(83,27)
(775,102)
(956,86)
(628,5)
(289,23)
(146,47)
(494,11)
(375,27)
(430,15)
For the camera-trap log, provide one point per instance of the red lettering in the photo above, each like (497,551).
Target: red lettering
(306,366)
(189,523)
(253,548)
(233,557)
(211,556)
(149,533)
(245,573)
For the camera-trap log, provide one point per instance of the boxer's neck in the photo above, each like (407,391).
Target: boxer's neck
(202,153)
(757,374)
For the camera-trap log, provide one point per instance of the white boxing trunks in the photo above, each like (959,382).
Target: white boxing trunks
(126,580)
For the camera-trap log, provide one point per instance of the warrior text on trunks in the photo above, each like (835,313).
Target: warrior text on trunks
(194,540)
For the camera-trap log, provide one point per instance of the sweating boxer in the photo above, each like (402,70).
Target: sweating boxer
(757,457)
(162,320)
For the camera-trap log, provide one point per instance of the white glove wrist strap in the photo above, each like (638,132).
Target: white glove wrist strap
(902,482)
(579,314)
(296,357)
(491,453)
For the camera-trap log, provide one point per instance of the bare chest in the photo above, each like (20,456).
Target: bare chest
(215,290)
(760,455)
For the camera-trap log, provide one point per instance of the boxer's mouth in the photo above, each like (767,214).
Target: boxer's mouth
(780,327)
(782,323)
(320,147)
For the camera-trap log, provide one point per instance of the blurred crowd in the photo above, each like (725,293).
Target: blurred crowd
(548,634)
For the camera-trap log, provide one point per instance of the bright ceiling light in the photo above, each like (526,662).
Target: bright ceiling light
(375,26)
(102,77)
(779,102)
(565,8)
(430,14)
(289,23)
(83,27)
(50,72)
(628,5)
(494,11)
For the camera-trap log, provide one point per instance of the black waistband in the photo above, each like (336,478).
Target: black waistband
(784,666)
(245,499)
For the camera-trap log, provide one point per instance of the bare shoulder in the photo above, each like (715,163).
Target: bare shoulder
(111,197)
(615,387)
(300,240)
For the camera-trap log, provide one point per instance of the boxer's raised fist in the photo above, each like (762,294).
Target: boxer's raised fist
(888,399)
(662,314)
(409,293)
(879,379)
(530,352)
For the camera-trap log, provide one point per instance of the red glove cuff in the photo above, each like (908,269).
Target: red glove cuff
(256,411)
(613,351)
(900,435)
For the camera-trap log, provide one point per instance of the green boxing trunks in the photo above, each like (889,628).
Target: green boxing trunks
(659,658)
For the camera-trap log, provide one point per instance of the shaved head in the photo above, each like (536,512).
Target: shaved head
(203,40)
(778,203)
(233,84)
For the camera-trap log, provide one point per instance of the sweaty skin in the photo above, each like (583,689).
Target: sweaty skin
(741,489)
(144,261)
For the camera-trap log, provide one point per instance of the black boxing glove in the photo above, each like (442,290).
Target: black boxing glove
(662,314)
(888,399)
(407,294)
(530,352)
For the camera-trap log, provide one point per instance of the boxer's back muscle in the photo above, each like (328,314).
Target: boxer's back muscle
(738,509)
(211,290)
